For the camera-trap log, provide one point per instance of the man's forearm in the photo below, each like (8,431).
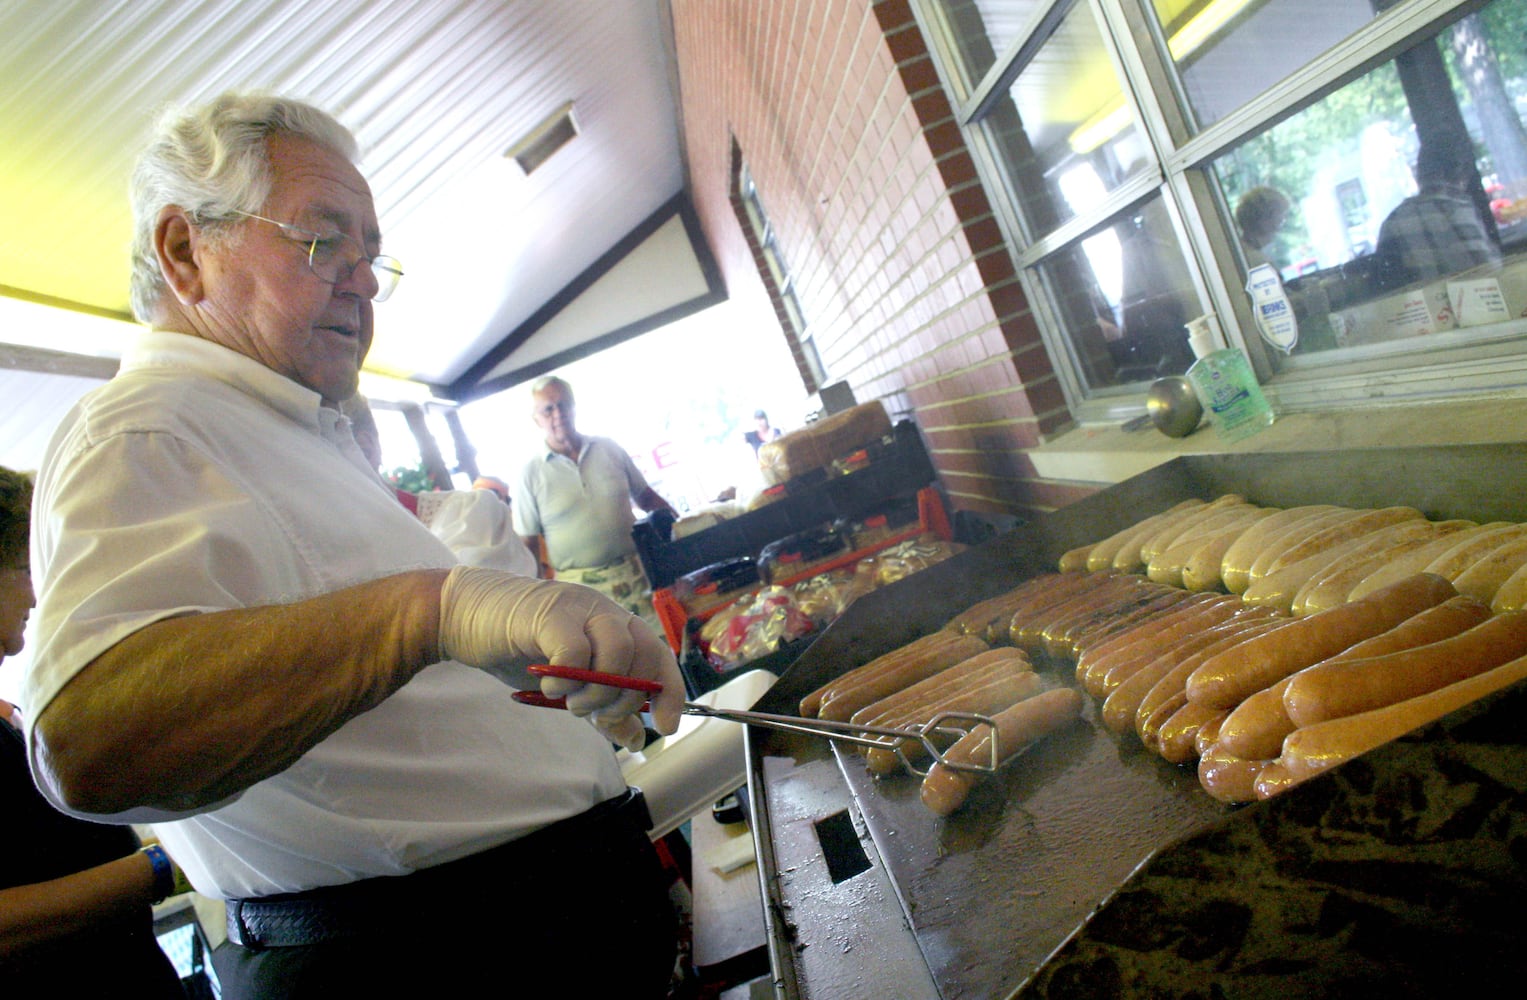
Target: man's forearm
(189,711)
(651,501)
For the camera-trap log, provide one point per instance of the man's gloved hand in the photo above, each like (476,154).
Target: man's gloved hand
(490,619)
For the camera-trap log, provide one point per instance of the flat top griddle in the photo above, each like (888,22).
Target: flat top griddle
(977,904)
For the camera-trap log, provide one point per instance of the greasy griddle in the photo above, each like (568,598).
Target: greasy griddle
(975,905)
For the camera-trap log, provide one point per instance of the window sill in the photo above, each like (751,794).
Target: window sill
(1104,454)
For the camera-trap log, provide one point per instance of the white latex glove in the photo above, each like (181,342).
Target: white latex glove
(490,619)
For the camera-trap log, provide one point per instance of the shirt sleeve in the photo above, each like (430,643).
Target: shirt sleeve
(634,477)
(129,531)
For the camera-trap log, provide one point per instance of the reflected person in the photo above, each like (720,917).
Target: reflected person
(1438,231)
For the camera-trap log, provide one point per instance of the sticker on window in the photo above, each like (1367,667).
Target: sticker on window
(1269,303)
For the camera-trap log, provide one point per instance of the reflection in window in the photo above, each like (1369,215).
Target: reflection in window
(1123,295)
(1229,51)
(1410,175)
(984,28)
(1065,109)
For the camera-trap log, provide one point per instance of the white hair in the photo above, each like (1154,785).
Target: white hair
(213,162)
(545,382)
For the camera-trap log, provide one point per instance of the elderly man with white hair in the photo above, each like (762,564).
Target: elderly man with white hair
(574,504)
(246,640)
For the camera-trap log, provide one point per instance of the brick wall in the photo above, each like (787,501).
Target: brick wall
(900,269)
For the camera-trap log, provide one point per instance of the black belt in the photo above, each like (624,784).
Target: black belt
(372,905)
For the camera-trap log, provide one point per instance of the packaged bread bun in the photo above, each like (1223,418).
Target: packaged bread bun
(817,445)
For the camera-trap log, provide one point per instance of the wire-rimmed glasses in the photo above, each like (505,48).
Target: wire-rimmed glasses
(333,256)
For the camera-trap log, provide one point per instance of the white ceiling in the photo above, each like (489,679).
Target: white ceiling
(436,91)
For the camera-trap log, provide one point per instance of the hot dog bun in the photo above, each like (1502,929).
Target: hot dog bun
(1493,569)
(1235,568)
(1411,563)
(1101,555)
(1332,586)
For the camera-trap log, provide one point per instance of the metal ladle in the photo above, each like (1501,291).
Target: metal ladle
(1173,406)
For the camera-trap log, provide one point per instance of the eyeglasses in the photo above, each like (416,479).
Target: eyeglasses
(333,256)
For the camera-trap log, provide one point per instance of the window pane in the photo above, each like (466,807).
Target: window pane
(1064,134)
(1411,175)
(1123,295)
(983,29)
(1229,51)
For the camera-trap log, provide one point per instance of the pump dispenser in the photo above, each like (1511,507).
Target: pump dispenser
(1225,384)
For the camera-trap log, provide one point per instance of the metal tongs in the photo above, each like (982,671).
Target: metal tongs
(893,738)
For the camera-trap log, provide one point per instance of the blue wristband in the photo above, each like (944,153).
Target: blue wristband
(164,873)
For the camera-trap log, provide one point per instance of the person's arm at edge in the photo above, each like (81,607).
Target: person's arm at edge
(537,546)
(270,683)
(649,501)
(31,915)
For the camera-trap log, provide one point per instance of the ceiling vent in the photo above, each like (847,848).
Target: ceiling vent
(556,131)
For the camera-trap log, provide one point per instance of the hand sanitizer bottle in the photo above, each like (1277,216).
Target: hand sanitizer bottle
(1225,384)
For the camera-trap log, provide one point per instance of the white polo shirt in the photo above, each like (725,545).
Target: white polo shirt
(584,507)
(198,480)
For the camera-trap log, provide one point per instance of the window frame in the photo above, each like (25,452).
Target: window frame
(776,275)
(1181,157)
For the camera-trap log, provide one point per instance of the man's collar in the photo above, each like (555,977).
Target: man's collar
(182,351)
(583,446)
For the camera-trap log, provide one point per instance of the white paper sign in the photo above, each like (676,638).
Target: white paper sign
(1477,302)
(1270,305)
(1410,315)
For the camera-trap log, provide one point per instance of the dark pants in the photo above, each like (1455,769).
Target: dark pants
(581,905)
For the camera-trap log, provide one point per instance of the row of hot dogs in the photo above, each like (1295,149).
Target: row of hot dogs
(1343,629)
(1268,644)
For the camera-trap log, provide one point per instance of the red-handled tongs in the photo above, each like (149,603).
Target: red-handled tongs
(948,724)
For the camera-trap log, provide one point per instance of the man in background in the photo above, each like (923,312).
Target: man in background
(575,497)
(1439,231)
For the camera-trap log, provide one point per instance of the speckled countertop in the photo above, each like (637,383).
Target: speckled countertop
(1401,874)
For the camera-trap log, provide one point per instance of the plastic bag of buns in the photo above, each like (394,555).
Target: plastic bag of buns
(817,445)
(824,597)
(911,557)
(771,619)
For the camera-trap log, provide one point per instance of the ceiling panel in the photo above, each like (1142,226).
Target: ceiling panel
(435,91)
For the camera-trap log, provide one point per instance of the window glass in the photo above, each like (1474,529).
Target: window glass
(1397,206)
(1064,134)
(1229,51)
(983,29)
(1123,294)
